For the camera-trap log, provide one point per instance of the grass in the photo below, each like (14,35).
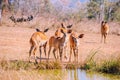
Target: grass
(15,65)
(19,64)
(50,65)
(73,66)
(33,75)
(93,62)
(70,66)
(110,64)
(55,74)
(31,71)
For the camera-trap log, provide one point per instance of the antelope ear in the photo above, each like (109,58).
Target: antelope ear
(102,23)
(62,25)
(46,30)
(37,30)
(105,22)
(81,36)
(62,31)
(69,26)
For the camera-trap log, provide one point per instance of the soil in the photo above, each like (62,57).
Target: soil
(14,44)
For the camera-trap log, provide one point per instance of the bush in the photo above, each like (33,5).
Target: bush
(109,67)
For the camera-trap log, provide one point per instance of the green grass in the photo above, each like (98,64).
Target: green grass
(15,65)
(105,65)
(110,64)
(19,64)
(70,66)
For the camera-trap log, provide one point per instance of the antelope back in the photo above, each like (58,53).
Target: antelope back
(38,38)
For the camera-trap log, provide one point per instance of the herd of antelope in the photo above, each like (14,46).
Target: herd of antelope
(63,39)
(22,19)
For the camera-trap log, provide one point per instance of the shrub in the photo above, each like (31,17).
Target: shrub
(109,67)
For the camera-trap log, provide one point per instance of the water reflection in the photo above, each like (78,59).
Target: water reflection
(79,74)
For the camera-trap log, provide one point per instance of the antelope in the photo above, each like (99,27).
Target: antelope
(13,19)
(58,34)
(30,18)
(58,44)
(22,19)
(73,39)
(104,30)
(38,40)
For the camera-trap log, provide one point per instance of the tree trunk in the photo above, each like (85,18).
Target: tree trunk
(102,16)
(0,11)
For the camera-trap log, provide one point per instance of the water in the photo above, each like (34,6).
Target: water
(79,74)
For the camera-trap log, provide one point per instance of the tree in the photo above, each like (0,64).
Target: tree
(93,9)
(116,11)
(104,10)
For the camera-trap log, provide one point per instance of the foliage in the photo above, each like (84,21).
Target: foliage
(117,11)
(117,15)
(92,9)
(111,66)
(103,10)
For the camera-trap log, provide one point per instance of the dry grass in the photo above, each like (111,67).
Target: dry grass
(32,75)
(18,75)
(20,64)
(21,70)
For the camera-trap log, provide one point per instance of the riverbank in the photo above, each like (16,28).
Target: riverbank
(55,74)
(111,66)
